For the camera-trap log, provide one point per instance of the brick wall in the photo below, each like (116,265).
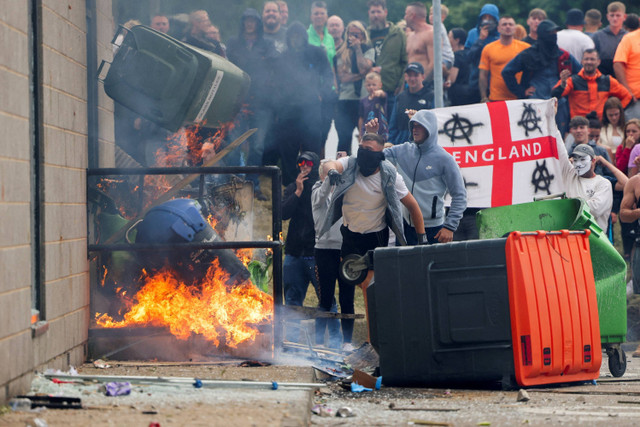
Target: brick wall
(64,153)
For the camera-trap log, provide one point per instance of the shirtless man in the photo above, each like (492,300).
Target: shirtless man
(420,39)
(629,212)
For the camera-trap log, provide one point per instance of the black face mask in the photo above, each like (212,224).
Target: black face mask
(369,161)
(550,38)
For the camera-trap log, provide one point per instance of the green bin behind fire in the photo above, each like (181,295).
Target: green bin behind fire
(173,84)
(609,267)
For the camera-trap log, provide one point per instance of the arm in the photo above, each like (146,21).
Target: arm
(320,193)
(628,210)
(452,77)
(620,69)
(618,90)
(617,173)
(411,204)
(333,164)
(509,76)
(455,186)
(364,64)
(564,86)
(483,85)
(289,201)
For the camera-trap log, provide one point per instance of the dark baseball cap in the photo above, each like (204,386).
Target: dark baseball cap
(547,26)
(575,17)
(415,67)
(583,150)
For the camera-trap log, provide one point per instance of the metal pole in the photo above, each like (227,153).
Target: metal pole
(437,50)
(278,292)
(270,385)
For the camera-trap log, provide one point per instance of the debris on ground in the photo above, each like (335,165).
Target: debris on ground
(523,396)
(117,388)
(322,410)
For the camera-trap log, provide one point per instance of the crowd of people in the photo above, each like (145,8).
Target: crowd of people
(377,80)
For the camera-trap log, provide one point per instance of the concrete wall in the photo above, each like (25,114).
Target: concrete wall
(62,335)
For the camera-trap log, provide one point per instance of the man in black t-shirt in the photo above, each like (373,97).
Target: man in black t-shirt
(390,44)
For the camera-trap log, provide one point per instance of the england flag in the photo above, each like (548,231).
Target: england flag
(507,150)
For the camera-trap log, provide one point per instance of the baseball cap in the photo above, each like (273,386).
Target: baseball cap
(583,150)
(415,67)
(547,26)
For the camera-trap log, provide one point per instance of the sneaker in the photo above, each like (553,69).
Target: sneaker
(348,347)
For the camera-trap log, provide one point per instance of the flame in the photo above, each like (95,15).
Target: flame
(217,312)
(245,255)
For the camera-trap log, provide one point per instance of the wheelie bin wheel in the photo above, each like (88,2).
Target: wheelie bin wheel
(617,361)
(353,269)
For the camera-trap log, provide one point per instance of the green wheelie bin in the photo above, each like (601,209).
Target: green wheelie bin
(609,267)
(173,84)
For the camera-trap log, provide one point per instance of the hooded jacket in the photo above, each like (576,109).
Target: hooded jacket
(474,45)
(257,60)
(304,74)
(301,235)
(472,37)
(430,172)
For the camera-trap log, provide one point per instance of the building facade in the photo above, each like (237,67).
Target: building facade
(56,122)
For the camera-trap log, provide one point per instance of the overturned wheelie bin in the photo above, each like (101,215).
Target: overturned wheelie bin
(609,267)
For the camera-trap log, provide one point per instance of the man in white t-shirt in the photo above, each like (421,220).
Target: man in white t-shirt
(582,182)
(369,191)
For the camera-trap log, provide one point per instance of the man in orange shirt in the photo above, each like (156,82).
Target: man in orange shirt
(494,57)
(626,64)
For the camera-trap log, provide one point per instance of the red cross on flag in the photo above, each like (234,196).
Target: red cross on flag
(506,150)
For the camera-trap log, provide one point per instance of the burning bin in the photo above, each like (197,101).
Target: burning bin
(173,84)
(609,267)
(460,312)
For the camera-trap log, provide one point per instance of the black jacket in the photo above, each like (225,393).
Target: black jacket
(301,235)
(257,60)
(304,75)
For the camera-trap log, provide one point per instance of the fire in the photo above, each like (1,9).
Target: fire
(245,255)
(211,309)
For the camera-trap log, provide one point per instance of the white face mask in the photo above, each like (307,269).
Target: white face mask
(582,164)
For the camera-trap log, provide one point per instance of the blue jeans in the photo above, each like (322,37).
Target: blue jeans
(297,273)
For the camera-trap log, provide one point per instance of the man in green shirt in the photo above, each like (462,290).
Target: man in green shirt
(318,33)
(319,36)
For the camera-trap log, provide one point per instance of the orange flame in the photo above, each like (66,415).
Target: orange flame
(211,309)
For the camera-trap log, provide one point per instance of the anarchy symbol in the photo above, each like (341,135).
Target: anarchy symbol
(541,178)
(458,128)
(529,120)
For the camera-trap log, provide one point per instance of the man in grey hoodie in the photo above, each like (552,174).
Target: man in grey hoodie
(429,172)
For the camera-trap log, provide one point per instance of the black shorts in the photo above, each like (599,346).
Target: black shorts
(359,243)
